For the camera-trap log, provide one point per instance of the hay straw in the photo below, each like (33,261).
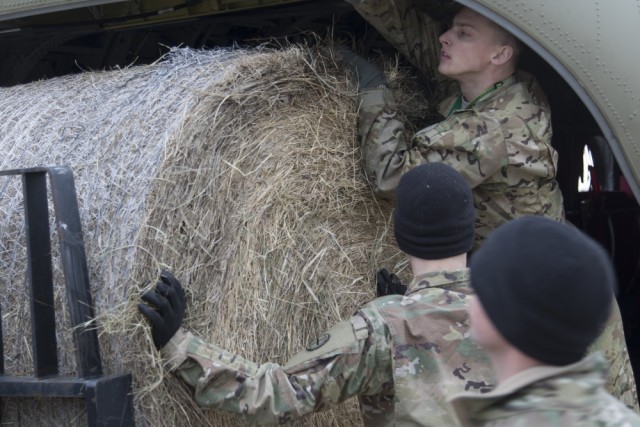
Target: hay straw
(236,169)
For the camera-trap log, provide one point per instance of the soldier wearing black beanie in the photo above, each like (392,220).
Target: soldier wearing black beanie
(546,286)
(433,219)
(544,292)
(434,215)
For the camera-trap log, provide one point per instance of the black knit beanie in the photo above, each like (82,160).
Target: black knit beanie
(546,286)
(434,216)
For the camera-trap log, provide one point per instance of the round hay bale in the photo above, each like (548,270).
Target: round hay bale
(239,171)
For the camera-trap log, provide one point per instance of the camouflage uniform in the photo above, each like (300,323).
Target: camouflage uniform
(570,395)
(501,144)
(403,355)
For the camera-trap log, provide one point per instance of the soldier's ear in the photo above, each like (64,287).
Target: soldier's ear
(502,55)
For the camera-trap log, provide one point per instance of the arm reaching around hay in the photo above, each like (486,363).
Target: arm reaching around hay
(413,32)
(345,361)
(402,355)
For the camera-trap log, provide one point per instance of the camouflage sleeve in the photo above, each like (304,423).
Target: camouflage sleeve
(409,30)
(385,152)
(473,145)
(339,364)
(620,382)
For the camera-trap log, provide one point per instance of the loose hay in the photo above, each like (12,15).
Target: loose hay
(239,171)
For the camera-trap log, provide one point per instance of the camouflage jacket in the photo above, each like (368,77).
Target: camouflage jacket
(403,355)
(501,146)
(548,396)
(432,354)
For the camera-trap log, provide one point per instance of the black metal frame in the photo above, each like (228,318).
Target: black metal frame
(108,398)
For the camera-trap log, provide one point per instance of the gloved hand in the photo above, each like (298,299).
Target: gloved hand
(388,284)
(369,75)
(166,310)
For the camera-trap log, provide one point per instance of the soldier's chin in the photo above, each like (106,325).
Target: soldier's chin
(442,69)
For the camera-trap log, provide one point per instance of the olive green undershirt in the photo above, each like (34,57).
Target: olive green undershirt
(459,101)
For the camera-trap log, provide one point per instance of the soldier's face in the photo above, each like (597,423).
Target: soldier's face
(468,47)
(482,329)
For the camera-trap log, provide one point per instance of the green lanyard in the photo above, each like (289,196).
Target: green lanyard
(458,104)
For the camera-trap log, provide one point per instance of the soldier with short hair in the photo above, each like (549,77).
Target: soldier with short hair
(543,293)
(496,129)
(403,355)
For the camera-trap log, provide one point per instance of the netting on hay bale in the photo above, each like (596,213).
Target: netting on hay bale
(239,171)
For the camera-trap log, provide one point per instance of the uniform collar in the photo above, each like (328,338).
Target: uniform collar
(438,279)
(469,406)
(448,106)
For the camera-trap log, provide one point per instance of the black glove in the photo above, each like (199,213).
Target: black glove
(167,308)
(369,75)
(388,284)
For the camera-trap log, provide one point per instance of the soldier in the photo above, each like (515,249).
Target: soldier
(496,132)
(403,355)
(543,292)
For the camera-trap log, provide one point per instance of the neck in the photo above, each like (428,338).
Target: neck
(474,86)
(422,266)
(509,362)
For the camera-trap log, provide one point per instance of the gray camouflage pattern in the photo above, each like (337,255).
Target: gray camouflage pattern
(549,396)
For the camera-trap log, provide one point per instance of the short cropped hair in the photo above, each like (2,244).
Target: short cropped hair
(504,37)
